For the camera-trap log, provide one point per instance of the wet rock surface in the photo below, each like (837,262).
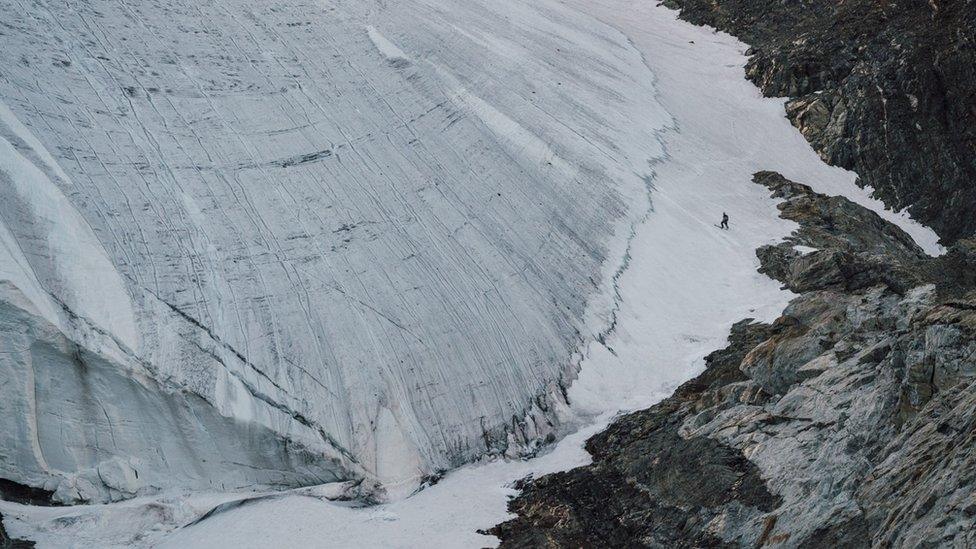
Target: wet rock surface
(882,88)
(849,421)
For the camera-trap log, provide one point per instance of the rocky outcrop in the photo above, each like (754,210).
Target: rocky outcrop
(886,89)
(850,421)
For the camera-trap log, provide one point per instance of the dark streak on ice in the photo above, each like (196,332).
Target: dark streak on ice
(302,159)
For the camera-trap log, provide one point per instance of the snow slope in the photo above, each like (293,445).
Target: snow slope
(368,237)
(684,284)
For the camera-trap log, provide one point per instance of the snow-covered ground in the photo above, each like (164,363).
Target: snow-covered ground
(684,283)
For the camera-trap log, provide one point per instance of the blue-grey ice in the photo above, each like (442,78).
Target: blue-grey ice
(270,244)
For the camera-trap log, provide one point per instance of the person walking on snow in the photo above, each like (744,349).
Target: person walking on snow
(725,221)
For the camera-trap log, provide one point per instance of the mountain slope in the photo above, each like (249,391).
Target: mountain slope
(848,421)
(885,89)
(367,232)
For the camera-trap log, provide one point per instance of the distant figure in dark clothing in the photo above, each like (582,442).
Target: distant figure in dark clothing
(725,221)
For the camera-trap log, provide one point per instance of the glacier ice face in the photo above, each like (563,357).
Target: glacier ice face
(276,243)
(91,428)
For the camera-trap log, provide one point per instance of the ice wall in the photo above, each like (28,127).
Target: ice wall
(362,237)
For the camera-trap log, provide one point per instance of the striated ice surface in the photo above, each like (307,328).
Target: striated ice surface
(283,242)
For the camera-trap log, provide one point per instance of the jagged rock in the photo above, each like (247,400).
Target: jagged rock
(855,248)
(956,269)
(821,118)
(848,422)
(922,493)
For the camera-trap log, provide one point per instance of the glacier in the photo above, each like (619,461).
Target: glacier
(685,285)
(264,244)
(672,288)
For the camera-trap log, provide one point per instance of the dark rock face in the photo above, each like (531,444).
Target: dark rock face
(884,88)
(856,247)
(848,422)
(27,495)
(648,485)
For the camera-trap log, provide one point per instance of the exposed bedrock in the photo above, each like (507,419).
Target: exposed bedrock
(265,243)
(886,89)
(850,421)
